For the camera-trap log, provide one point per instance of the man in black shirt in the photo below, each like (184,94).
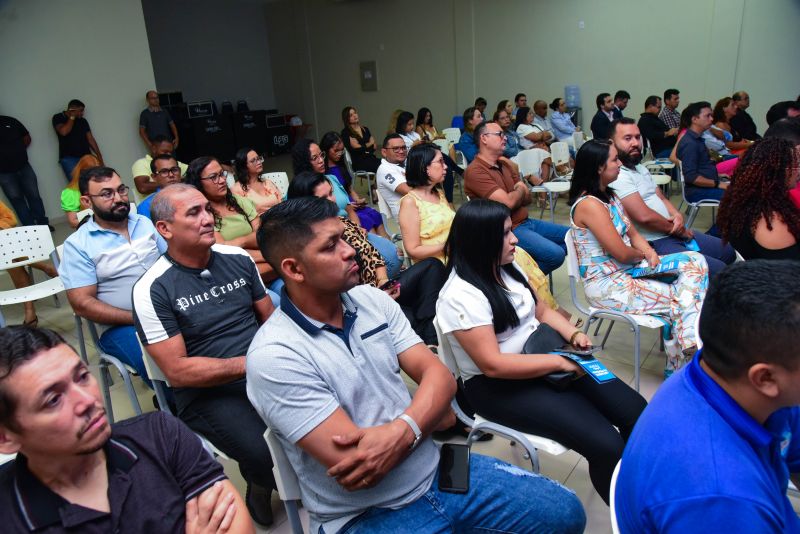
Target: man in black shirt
(742,123)
(16,175)
(75,137)
(660,136)
(74,472)
(196,310)
(156,122)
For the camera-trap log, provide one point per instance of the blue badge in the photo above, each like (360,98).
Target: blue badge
(593,367)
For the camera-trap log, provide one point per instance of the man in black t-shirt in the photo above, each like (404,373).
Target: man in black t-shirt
(196,310)
(16,175)
(75,137)
(156,122)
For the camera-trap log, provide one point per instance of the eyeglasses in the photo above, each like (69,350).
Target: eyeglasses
(401,148)
(217,177)
(498,134)
(166,172)
(318,157)
(440,161)
(108,194)
(256,160)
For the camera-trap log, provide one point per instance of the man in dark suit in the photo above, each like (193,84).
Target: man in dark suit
(742,123)
(601,122)
(621,98)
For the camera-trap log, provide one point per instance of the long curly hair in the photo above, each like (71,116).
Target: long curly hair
(193,173)
(759,188)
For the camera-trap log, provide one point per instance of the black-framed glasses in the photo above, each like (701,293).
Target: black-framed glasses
(501,135)
(166,172)
(108,194)
(217,177)
(402,148)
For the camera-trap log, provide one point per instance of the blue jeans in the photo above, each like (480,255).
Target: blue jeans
(120,342)
(388,251)
(696,194)
(501,498)
(717,255)
(68,163)
(544,241)
(22,191)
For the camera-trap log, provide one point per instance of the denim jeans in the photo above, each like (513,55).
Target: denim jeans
(388,251)
(68,163)
(544,241)
(696,194)
(501,498)
(120,342)
(717,255)
(22,191)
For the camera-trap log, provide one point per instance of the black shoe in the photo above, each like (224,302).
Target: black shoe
(52,228)
(259,504)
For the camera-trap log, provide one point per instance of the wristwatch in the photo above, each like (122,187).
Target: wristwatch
(414,428)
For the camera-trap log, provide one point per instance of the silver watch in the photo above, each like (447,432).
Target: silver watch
(414,428)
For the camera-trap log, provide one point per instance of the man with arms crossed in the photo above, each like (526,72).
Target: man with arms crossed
(715,448)
(76,473)
(330,387)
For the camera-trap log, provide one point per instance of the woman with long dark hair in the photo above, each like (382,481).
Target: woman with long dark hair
(415,288)
(425,128)
(358,141)
(756,214)
(248,166)
(488,311)
(404,127)
(608,247)
(235,217)
(530,135)
(466,143)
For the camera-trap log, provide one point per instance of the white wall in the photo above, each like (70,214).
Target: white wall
(444,54)
(93,50)
(211,49)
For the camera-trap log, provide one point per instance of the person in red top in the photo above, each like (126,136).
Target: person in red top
(493,176)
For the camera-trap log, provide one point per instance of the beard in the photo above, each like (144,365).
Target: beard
(628,160)
(117,213)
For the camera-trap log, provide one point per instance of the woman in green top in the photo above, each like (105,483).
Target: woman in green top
(71,196)
(235,217)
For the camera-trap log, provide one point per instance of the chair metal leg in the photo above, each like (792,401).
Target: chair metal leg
(293,514)
(104,384)
(608,332)
(597,326)
(126,378)
(693,211)
(81,340)
(636,356)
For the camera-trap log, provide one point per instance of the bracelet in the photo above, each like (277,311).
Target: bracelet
(573,336)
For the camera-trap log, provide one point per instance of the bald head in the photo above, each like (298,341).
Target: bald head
(540,108)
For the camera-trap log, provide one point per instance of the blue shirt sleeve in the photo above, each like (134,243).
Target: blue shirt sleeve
(466,144)
(712,513)
(689,159)
(562,125)
(76,269)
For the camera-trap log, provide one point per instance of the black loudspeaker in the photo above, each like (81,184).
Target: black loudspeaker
(250,130)
(278,140)
(213,136)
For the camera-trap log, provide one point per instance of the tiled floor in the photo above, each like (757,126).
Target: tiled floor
(568,468)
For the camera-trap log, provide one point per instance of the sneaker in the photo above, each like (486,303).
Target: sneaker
(259,504)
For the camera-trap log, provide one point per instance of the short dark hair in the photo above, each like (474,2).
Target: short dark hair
(518,96)
(592,155)
(651,100)
(616,122)
(389,137)
(751,314)
(622,94)
(417,162)
(780,110)
(160,157)
(601,98)
(738,95)
(788,129)
(304,184)
(480,100)
(467,116)
(160,138)
(669,93)
(75,103)
(693,110)
(521,116)
(555,103)
(20,344)
(94,174)
(286,227)
(479,129)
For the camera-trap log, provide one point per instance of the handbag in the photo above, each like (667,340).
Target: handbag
(544,340)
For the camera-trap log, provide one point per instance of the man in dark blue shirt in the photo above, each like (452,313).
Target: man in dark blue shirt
(715,448)
(699,172)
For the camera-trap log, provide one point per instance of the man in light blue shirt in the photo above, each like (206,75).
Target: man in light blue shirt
(165,171)
(540,119)
(104,258)
(715,448)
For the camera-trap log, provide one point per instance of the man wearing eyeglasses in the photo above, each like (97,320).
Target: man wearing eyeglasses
(165,171)
(142,171)
(391,175)
(103,259)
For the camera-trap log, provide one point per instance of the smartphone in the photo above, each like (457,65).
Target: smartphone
(388,284)
(454,468)
(579,352)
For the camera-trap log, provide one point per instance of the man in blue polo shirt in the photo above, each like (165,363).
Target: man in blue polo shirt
(165,171)
(699,171)
(714,449)
(324,374)
(104,258)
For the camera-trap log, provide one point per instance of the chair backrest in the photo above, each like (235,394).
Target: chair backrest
(612,505)
(154,372)
(383,207)
(84,213)
(573,271)
(577,140)
(452,134)
(530,162)
(461,159)
(286,481)
(280,179)
(682,181)
(348,163)
(443,144)
(34,243)
(559,153)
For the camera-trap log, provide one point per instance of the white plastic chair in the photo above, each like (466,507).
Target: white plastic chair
(280,179)
(530,162)
(577,140)
(35,243)
(452,135)
(634,321)
(559,153)
(443,144)
(480,425)
(286,481)
(372,183)
(694,207)
(386,215)
(612,505)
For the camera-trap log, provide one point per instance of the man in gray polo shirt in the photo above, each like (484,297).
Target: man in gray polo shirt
(329,386)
